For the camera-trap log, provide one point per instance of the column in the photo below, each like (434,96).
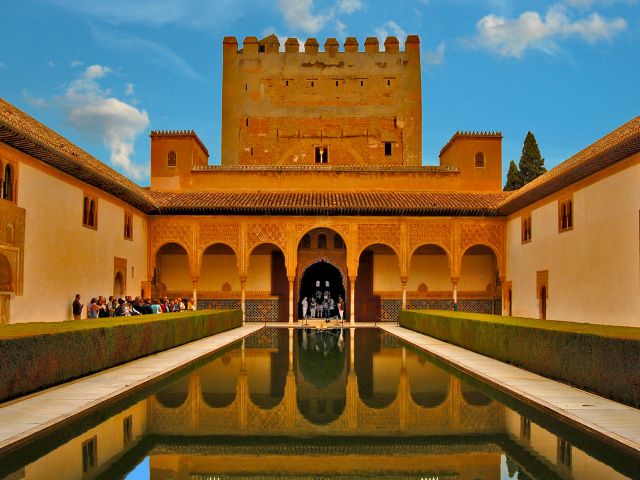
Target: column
(404,280)
(454,281)
(194,281)
(352,300)
(243,296)
(290,349)
(291,279)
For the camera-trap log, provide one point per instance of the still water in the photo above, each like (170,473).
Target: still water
(319,404)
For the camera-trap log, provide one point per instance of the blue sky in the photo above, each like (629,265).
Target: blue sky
(104,73)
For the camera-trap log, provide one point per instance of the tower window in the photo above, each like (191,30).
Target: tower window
(128,226)
(286,83)
(387,149)
(172,159)
(322,241)
(306,241)
(388,83)
(362,83)
(251,151)
(246,87)
(479,160)
(322,154)
(336,83)
(246,122)
(312,84)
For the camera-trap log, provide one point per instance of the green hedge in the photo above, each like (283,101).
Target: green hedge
(599,358)
(37,355)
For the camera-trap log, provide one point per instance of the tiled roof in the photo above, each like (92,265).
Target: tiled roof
(614,147)
(32,137)
(330,203)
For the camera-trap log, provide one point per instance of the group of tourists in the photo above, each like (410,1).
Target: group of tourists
(100,307)
(322,305)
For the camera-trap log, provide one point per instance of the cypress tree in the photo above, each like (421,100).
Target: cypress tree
(531,162)
(514,179)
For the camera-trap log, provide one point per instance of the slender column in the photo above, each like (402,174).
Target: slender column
(243,298)
(194,281)
(352,300)
(404,292)
(291,279)
(290,349)
(454,281)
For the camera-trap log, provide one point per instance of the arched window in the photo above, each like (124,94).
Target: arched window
(565,214)
(479,160)
(92,214)
(306,241)
(7,186)
(128,226)
(85,211)
(322,241)
(172,159)
(338,242)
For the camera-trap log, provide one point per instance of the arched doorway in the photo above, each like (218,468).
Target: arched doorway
(479,285)
(267,287)
(321,257)
(378,291)
(321,281)
(171,273)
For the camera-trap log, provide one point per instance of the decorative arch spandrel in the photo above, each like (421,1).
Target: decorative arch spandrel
(169,232)
(384,234)
(490,235)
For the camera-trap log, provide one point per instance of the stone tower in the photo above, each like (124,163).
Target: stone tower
(321,107)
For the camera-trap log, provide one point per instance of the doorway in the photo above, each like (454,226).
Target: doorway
(321,281)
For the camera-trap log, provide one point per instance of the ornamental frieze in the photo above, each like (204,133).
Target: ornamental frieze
(168,232)
(488,234)
(275,233)
(227,233)
(440,234)
(385,234)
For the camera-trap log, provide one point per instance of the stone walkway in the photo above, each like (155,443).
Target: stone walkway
(36,415)
(610,420)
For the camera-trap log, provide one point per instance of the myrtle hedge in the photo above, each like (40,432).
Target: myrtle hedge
(39,355)
(600,358)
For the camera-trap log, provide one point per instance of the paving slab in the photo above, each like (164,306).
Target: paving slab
(23,420)
(614,422)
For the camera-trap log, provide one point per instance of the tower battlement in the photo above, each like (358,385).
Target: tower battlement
(271,45)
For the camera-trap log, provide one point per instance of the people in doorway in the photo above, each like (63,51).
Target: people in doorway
(305,307)
(340,307)
(92,309)
(313,307)
(77,307)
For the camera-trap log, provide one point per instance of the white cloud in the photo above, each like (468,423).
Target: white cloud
(383,31)
(76,63)
(32,100)
(297,13)
(349,6)
(341,28)
(129,89)
(435,57)
(95,114)
(513,37)
(96,71)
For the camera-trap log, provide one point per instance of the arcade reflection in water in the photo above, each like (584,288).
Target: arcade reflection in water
(321,403)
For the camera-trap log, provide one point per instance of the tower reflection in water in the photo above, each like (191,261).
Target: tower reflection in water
(322,403)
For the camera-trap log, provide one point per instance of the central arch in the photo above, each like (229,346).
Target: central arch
(319,279)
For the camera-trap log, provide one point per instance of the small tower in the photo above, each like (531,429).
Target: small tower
(174,153)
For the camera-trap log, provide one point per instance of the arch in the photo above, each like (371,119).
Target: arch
(10,232)
(428,383)
(174,394)
(485,274)
(219,268)
(375,243)
(473,396)
(7,184)
(377,387)
(307,288)
(180,279)
(172,159)
(266,372)
(479,160)
(92,213)
(371,279)
(214,243)
(154,255)
(269,275)
(435,282)
(219,380)
(305,241)
(322,241)
(488,245)
(262,245)
(338,242)
(329,230)
(6,275)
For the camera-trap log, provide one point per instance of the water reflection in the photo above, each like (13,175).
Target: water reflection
(309,403)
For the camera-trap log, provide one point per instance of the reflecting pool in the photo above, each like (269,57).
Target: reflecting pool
(306,403)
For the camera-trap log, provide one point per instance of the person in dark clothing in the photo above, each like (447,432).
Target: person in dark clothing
(77,307)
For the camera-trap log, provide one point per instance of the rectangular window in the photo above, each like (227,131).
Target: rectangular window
(565,214)
(387,149)
(322,154)
(90,454)
(127,429)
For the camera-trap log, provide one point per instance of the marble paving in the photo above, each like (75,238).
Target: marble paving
(610,420)
(37,414)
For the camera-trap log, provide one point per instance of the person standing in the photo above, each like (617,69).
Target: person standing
(340,306)
(305,306)
(77,307)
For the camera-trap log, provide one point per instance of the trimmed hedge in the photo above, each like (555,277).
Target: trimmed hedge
(38,355)
(600,358)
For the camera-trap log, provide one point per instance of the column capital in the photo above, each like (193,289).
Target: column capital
(243,279)
(404,281)
(291,278)
(353,278)
(194,279)
(455,280)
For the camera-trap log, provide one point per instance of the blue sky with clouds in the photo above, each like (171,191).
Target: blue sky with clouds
(104,73)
